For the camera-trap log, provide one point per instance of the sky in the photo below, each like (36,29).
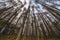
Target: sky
(2,0)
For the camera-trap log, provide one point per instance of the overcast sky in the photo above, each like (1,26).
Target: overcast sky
(2,0)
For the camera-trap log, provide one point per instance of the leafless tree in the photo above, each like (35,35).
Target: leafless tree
(31,18)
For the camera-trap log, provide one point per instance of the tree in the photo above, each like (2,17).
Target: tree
(32,19)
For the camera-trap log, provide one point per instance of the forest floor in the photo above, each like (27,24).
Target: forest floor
(13,37)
